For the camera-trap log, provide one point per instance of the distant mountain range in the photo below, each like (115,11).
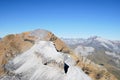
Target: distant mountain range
(97,43)
(101,51)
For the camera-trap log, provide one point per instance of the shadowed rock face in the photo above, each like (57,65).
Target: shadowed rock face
(12,45)
(66,67)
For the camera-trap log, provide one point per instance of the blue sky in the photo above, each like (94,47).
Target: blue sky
(65,18)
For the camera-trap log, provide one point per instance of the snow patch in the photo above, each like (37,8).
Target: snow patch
(113,54)
(84,51)
(103,44)
(75,73)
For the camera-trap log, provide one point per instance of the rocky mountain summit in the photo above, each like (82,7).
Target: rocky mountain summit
(40,55)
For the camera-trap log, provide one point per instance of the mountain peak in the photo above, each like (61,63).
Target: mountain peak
(94,37)
(41,33)
(39,54)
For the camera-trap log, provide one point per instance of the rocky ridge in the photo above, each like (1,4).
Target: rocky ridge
(12,45)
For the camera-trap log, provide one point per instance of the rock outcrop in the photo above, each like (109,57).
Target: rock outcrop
(13,45)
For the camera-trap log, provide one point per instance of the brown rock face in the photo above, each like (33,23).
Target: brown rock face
(96,72)
(12,45)
(60,45)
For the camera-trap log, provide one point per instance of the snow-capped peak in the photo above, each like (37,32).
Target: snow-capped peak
(96,42)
